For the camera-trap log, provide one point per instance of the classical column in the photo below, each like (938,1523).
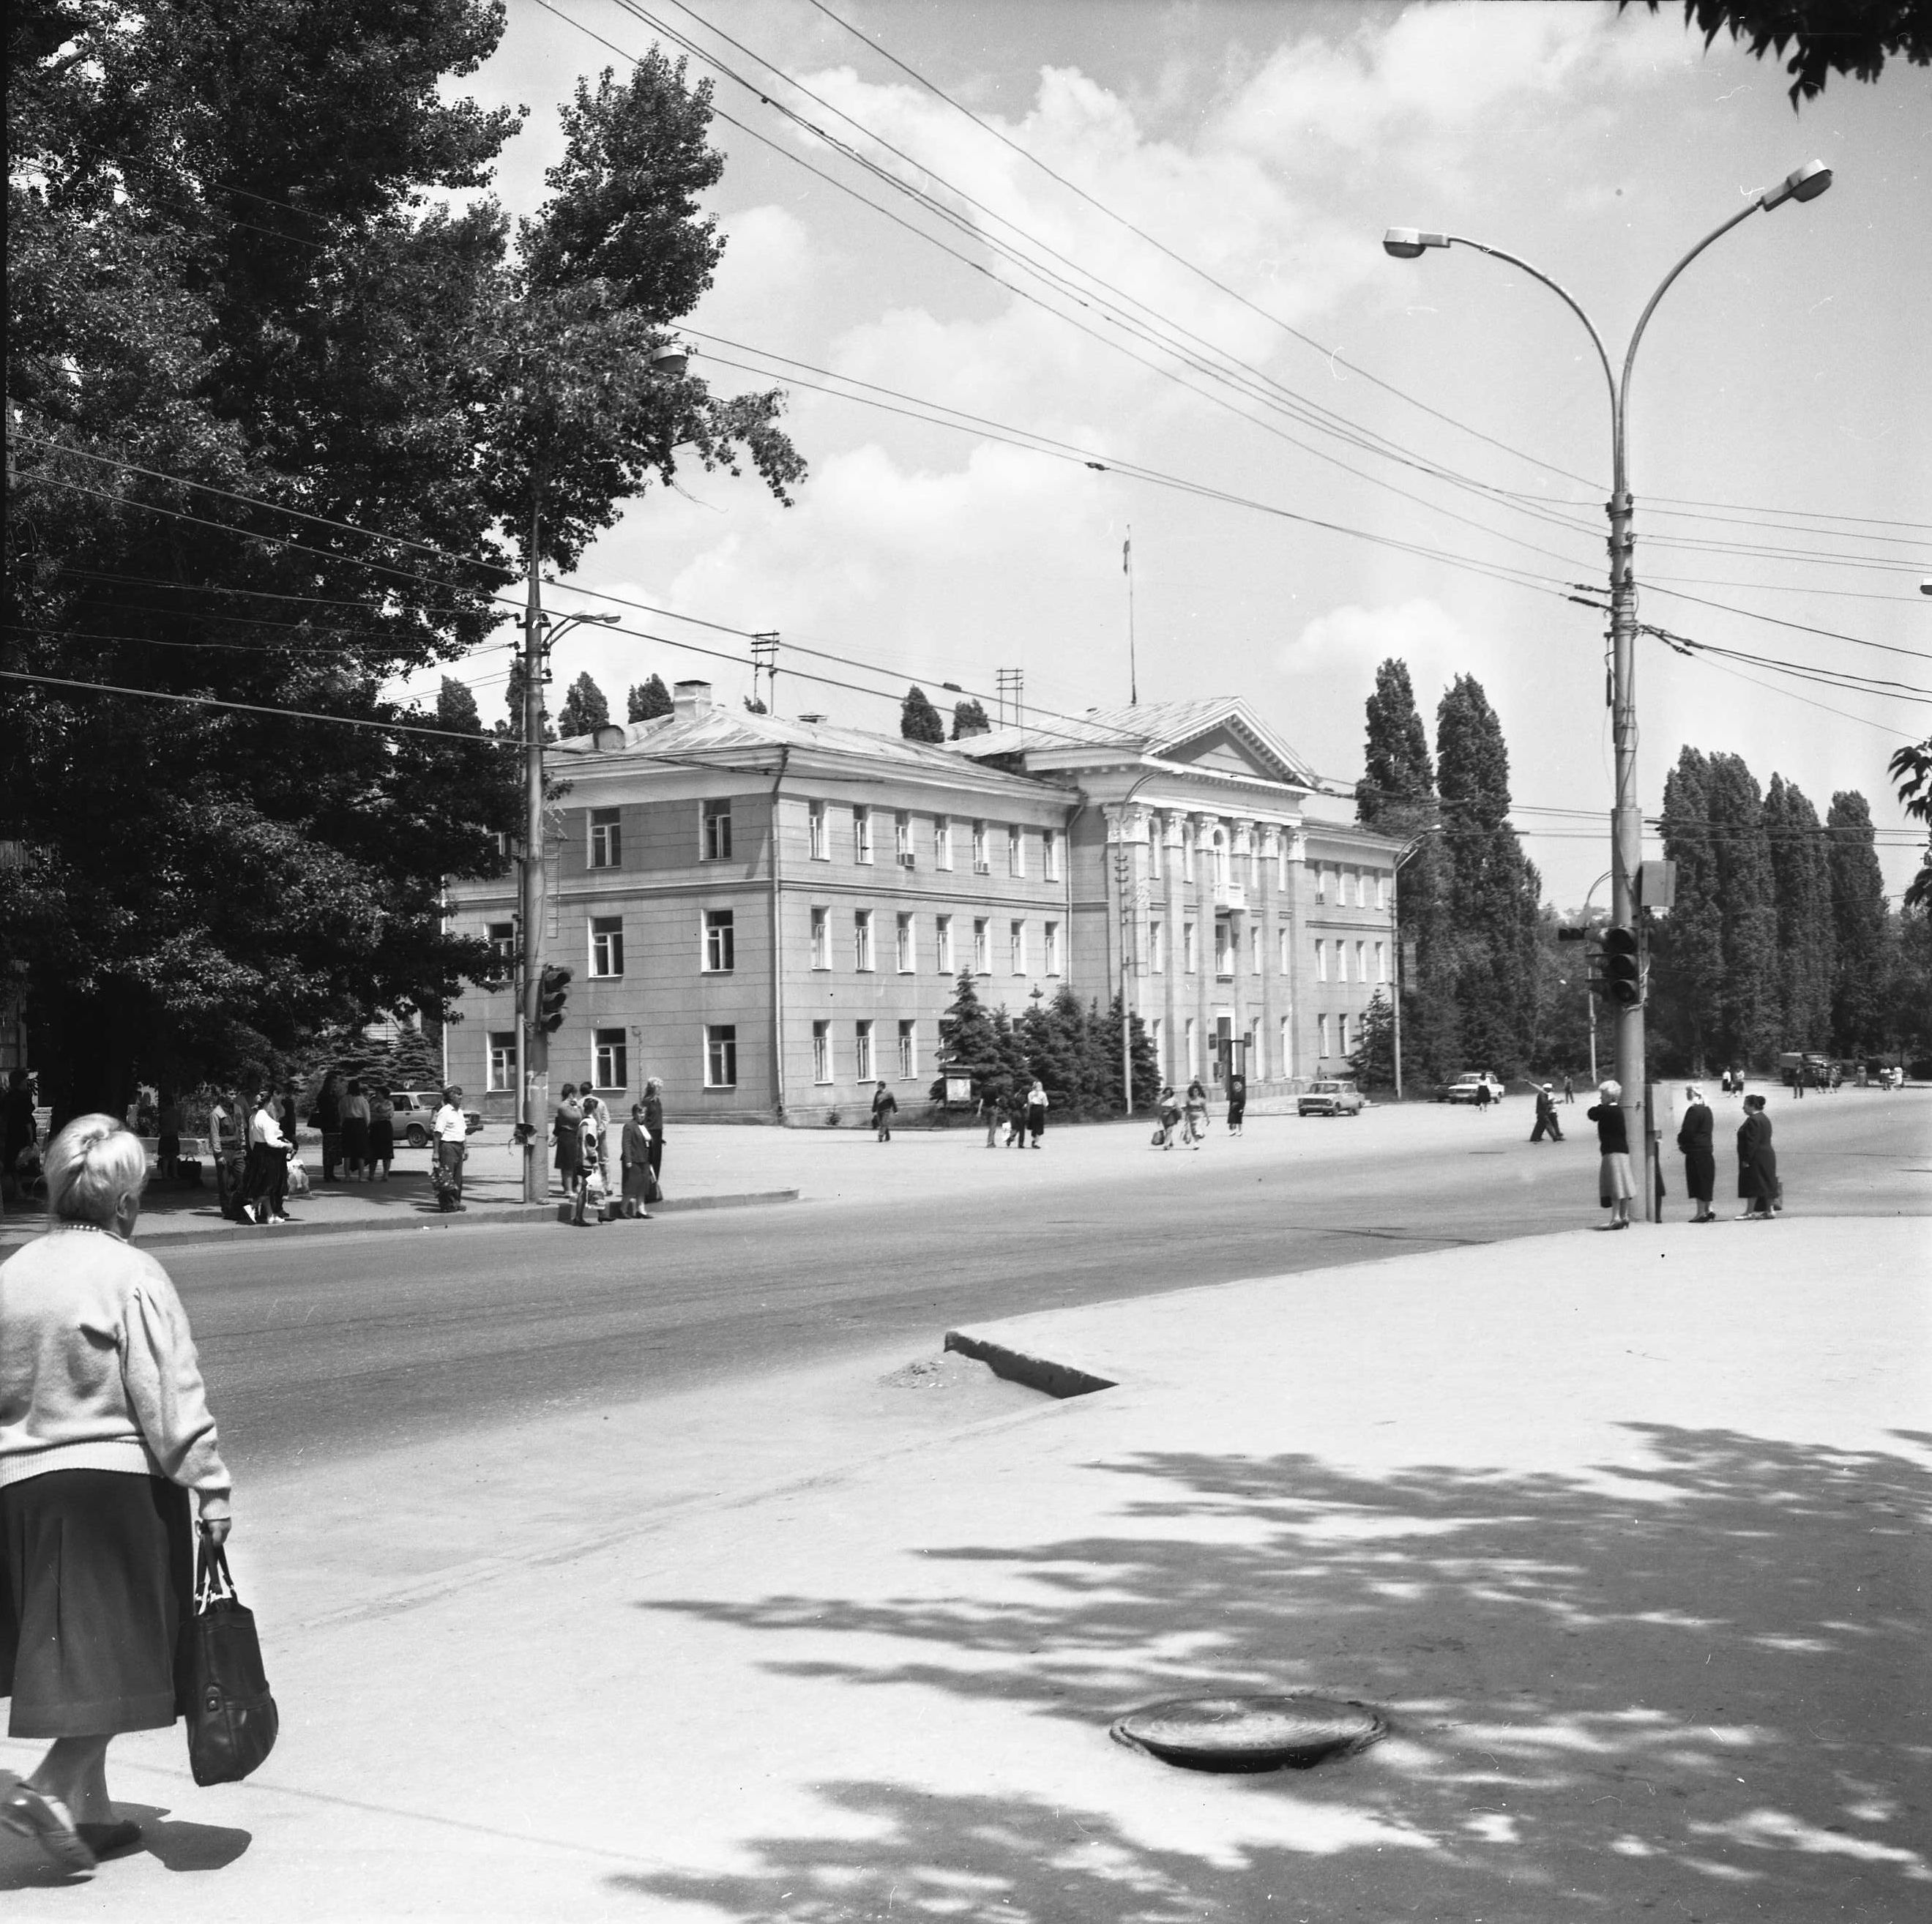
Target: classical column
(1297,959)
(1241,875)
(1202,825)
(1171,829)
(1273,988)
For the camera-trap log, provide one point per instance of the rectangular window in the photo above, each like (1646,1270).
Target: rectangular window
(1157,1035)
(1381,962)
(908,1051)
(821,938)
(1050,942)
(902,837)
(1187,864)
(981,866)
(1344,894)
(720,942)
(862,1051)
(1016,850)
(814,819)
(1190,955)
(610,1065)
(1254,948)
(606,839)
(1287,1046)
(821,1051)
(1193,1051)
(1049,854)
(1362,961)
(1341,961)
(1320,960)
(1321,1037)
(606,945)
(862,835)
(1342,1034)
(716,842)
(1284,943)
(502,1059)
(1016,947)
(1224,949)
(862,938)
(720,1055)
(942,842)
(503,937)
(1321,883)
(1157,947)
(1155,832)
(942,942)
(983,945)
(907,957)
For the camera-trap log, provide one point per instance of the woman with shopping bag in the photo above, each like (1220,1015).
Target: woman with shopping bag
(105,1433)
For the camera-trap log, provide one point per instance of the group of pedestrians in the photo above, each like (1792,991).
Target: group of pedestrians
(581,1140)
(1015,1117)
(1187,1115)
(1759,1188)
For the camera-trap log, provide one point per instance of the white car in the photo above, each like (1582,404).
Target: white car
(1464,1088)
(415,1110)
(1329,1098)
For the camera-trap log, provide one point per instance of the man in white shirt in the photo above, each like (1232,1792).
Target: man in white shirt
(452,1134)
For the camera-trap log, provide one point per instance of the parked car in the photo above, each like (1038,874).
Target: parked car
(416,1110)
(1333,1097)
(1463,1089)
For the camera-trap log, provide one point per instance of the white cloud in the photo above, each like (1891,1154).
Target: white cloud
(767,266)
(1354,640)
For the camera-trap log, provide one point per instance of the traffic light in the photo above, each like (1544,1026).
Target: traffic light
(552,992)
(1622,974)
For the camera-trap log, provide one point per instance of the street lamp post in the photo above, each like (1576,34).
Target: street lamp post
(1807,183)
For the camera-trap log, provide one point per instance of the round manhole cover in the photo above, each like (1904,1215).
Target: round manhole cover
(1250,1733)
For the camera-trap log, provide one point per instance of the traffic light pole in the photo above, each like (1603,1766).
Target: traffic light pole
(535,1093)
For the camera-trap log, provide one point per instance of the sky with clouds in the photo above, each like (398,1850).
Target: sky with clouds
(1337,456)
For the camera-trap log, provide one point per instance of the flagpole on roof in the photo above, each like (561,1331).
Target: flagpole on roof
(1127,569)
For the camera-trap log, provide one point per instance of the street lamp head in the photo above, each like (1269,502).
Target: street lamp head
(670,358)
(1405,243)
(1807,184)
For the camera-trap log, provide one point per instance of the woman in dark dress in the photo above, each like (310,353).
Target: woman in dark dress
(1237,1101)
(569,1132)
(1700,1160)
(654,1124)
(1757,1163)
(327,1119)
(1616,1185)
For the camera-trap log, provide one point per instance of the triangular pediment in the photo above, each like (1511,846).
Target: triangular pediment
(1230,747)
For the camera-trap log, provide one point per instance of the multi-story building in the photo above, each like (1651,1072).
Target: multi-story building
(772,914)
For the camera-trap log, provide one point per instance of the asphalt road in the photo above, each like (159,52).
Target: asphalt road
(341,1344)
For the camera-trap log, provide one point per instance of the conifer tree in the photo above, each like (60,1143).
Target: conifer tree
(966,1041)
(1687,947)
(1858,915)
(919,720)
(1747,1010)
(969,718)
(1801,882)
(584,708)
(1372,1065)
(648,700)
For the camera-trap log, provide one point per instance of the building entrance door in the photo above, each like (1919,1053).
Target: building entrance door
(1231,1051)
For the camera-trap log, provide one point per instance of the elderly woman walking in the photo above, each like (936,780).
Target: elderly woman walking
(1700,1160)
(1757,1163)
(1615,1184)
(104,1431)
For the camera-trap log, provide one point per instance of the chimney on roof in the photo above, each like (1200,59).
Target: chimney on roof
(814,718)
(690,699)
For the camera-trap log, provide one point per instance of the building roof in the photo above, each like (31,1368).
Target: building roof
(1159,730)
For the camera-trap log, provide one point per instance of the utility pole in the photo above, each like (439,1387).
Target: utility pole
(534,1049)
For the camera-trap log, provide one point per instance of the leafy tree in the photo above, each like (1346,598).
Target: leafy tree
(1687,947)
(220,272)
(1801,882)
(648,700)
(1372,1065)
(1747,1002)
(754,706)
(1825,36)
(919,720)
(584,708)
(1858,1020)
(1491,890)
(969,718)
(1908,999)
(1911,768)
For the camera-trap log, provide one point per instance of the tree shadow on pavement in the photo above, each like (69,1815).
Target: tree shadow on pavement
(1694,1687)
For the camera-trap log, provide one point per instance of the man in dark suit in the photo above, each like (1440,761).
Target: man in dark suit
(1545,1115)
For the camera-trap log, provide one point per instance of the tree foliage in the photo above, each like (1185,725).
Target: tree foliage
(969,718)
(1911,768)
(1687,947)
(648,700)
(919,720)
(1859,911)
(1801,883)
(584,708)
(1825,36)
(1372,1065)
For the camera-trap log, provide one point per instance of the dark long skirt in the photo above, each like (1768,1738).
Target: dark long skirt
(356,1140)
(1700,1173)
(97,1578)
(382,1140)
(1757,1179)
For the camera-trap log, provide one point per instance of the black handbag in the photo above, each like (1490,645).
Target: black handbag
(232,1720)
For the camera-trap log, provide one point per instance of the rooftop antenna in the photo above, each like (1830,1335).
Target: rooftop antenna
(1127,569)
(1009,684)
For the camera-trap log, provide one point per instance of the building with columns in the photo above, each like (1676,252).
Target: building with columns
(771,914)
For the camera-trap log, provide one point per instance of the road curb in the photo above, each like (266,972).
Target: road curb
(495,1217)
(1060,1380)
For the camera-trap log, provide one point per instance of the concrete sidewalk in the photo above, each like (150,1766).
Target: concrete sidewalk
(1627,1533)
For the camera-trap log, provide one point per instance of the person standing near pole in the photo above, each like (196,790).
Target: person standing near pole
(1616,1186)
(1237,1101)
(452,1138)
(654,1123)
(1700,1161)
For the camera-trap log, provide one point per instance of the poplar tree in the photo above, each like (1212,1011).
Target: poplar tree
(919,720)
(648,700)
(969,718)
(1688,946)
(1491,890)
(1801,895)
(1858,1022)
(1748,1000)
(585,708)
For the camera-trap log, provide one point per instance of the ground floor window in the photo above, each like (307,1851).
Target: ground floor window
(821,1051)
(720,1055)
(1157,1035)
(610,1064)
(502,1059)
(1193,1051)
(1342,1035)
(862,1052)
(1321,1037)
(908,1051)
(1287,1047)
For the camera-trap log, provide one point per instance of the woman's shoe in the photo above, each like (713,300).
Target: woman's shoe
(105,1840)
(36,1814)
